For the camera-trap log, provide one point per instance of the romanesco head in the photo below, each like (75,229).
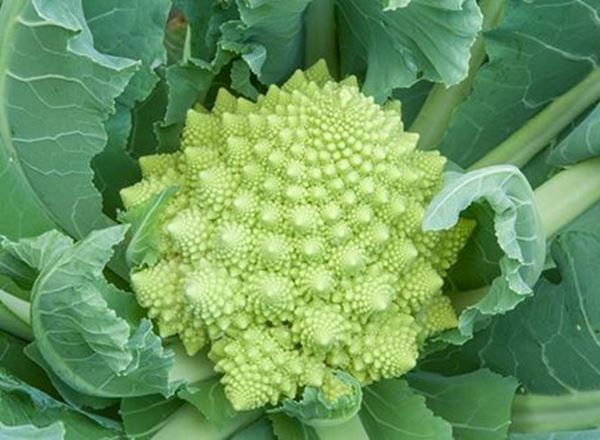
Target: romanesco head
(294,244)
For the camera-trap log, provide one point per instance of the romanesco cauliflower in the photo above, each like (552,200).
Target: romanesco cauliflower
(293,245)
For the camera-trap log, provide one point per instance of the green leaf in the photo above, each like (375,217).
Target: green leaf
(204,18)
(391,410)
(289,428)
(90,346)
(133,30)
(146,223)
(70,395)
(186,84)
(592,434)
(21,261)
(589,221)
(395,48)
(517,83)
(13,360)
(315,410)
(144,416)
(477,405)
(518,229)
(269,37)
(55,431)
(582,143)
(412,100)
(114,168)
(21,404)
(259,430)
(57,90)
(241,80)
(553,336)
(208,396)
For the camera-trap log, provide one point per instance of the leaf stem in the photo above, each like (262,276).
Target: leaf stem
(15,316)
(539,413)
(321,35)
(353,429)
(539,131)
(434,117)
(568,194)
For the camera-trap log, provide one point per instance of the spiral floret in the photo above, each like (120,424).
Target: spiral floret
(293,245)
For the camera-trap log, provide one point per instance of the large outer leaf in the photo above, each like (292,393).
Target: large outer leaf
(550,342)
(21,404)
(518,229)
(477,405)
(95,351)
(16,363)
(582,143)
(55,431)
(391,410)
(56,92)
(87,331)
(134,30)
(393,48)
(540,50)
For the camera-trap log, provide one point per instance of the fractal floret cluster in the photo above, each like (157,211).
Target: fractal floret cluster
(293,245)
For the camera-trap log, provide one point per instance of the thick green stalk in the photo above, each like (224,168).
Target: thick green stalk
(188,422)
(15,316)
(321,35)
(537,413)
(433,119)
(539,131)
(353,429)
(568,194)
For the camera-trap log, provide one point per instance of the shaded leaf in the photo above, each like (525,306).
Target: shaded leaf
(133,30)
(582,143)
(392,410)
(518,229)
(144,416)
(517,83)
(289,428)
(557,351)
(395,48)
(477,405)
(269,37)
(208,396)
(57,91)
(21,404)
(259,430)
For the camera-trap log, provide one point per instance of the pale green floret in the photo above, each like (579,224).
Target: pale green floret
(294,244)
